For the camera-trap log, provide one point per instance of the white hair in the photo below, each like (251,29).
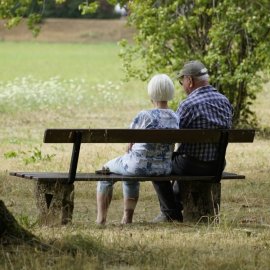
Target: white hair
(160,88)
(204,77)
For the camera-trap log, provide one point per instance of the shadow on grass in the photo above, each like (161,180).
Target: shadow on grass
(116,253)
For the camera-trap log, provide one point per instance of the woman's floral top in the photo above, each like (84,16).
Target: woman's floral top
(151,158)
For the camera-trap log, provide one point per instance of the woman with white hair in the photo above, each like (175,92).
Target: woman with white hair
(142,159)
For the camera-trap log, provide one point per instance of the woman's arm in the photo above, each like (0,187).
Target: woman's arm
(129,146)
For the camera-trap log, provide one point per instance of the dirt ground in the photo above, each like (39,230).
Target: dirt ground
(70,30)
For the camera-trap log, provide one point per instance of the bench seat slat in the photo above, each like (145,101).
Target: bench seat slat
(63,177)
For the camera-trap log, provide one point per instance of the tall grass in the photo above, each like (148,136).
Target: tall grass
(79,85)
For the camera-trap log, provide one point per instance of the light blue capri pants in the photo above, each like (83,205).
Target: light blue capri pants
(130,188)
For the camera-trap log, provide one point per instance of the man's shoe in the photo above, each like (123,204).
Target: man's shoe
(160,218)
(163,218)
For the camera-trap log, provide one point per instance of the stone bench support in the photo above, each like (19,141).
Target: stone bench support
(201,201)
(55,203)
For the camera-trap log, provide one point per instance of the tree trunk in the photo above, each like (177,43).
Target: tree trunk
(11,232)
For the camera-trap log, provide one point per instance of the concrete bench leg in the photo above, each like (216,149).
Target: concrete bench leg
(55,203)
(201,201)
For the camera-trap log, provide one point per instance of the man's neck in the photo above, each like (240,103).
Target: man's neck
(198,85)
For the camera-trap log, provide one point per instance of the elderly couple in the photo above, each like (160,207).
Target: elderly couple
(204,107)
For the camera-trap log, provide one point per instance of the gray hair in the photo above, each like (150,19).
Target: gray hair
(203,78)
(160,88)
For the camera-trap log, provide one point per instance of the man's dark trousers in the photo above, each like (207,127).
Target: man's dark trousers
(169,193)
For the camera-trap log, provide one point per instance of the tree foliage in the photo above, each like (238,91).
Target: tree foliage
(230,37)
(13,11)
(79,9)
(35,10)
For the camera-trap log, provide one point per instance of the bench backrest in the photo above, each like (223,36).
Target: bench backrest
(147,135)
(77,136)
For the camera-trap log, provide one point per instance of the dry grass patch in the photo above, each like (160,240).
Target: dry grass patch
(68,30)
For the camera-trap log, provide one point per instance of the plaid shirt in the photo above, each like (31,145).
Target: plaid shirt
(204,108)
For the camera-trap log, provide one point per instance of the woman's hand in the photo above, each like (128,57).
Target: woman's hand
(129,147)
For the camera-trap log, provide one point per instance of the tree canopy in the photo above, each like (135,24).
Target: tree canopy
(231,37)
(35,10)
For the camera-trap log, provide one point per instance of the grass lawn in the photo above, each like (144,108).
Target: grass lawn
(45,85)
(91,62)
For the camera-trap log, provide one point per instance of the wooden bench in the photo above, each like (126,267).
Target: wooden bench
(200,194)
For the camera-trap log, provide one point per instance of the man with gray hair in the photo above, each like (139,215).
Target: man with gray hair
(204,108)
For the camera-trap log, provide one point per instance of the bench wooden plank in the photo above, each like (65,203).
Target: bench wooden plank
(63,177)
(146,136)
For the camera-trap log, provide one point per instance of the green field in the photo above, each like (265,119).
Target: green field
(45,85)
(91,62)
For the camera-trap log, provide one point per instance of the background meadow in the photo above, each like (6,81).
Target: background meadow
(62,85)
